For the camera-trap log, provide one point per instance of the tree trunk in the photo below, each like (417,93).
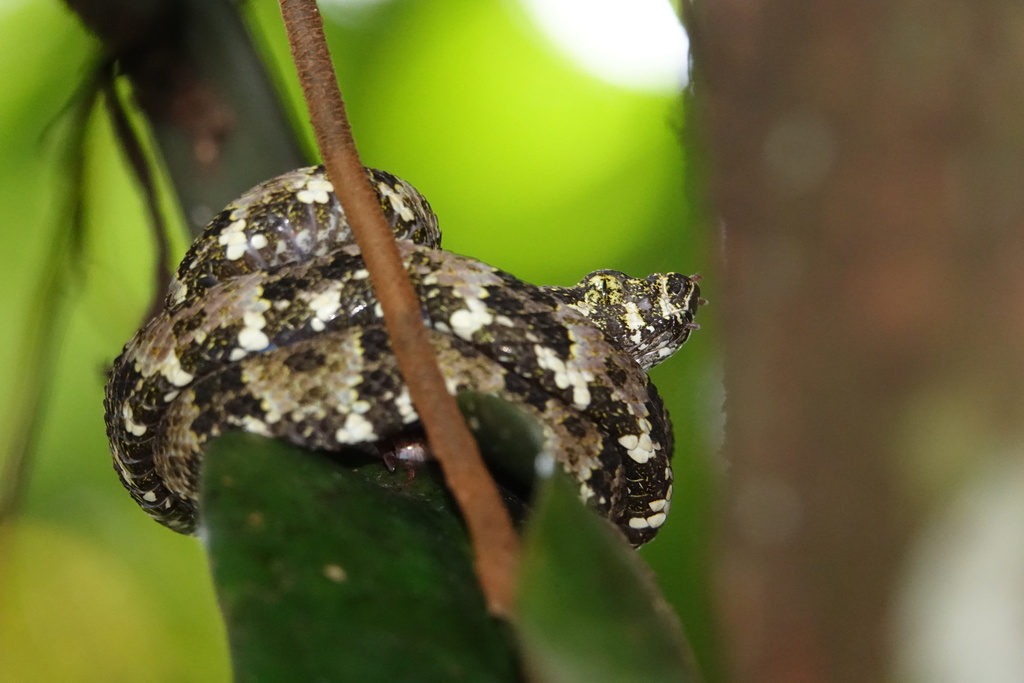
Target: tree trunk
(869,166)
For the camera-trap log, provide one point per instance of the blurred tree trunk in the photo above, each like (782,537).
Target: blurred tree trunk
(869,175)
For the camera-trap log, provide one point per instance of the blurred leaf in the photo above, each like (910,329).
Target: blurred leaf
(327,572)
(589,609)
(509,439)
(53,582)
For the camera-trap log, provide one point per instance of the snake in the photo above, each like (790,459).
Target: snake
(270,326)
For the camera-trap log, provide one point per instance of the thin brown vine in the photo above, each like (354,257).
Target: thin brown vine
(490,528)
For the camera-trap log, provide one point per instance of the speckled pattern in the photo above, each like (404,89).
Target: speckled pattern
(270,326)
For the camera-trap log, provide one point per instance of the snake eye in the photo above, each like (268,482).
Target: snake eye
(603,287)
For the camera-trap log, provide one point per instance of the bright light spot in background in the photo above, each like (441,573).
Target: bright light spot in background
(637,44)
(11,5)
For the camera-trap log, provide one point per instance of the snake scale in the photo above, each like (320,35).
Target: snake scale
(270,326)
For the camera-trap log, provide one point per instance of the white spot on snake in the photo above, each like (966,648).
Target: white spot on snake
(254,426)
(634,321)
(404,405)
(172,370)
(237,354)
(178,292)
(565,376)
(581,396)
(639,523)
(629,441)
(549,360)
(586,493)
(149,497)
(504,320)
(361,407)
(170,396)
(271,415)
(251,337)
(657,505)
(320,185)
(357,429)
(317,325)
(644,449)
(325,304)
(466,321)
(258,241)
(397,202)
(360,274)
(656,520)
(233,238)
(584,308)
(315,192)
(235,251)
(129,421)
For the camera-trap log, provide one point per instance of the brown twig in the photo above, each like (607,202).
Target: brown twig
(490,528)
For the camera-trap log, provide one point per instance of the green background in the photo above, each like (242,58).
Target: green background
(532,164)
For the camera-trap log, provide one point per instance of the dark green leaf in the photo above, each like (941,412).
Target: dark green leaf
(588,606)
(509,439)
(329,572)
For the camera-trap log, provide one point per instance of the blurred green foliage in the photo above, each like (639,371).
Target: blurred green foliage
(532,165)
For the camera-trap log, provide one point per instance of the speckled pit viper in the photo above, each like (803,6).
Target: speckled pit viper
(270,326)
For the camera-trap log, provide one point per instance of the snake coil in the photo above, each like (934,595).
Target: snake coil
(270,326)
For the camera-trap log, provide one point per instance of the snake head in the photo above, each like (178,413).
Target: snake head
(649,318)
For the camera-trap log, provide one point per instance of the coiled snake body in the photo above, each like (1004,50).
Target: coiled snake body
(270,326)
